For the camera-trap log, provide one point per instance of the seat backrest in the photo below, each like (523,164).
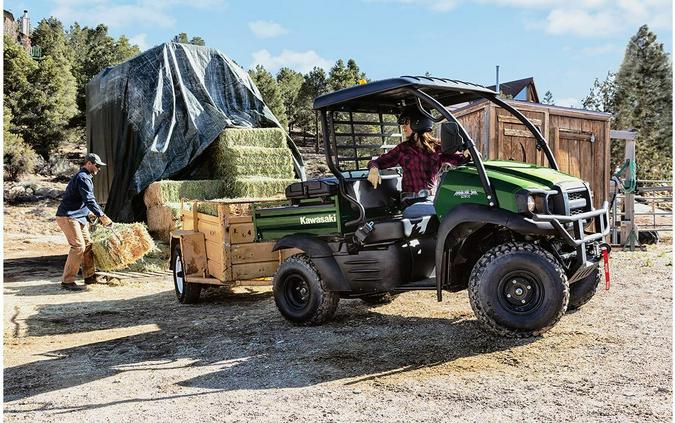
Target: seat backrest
(386,195)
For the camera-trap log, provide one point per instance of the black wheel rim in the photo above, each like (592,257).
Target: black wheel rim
(520,292)
(296,291)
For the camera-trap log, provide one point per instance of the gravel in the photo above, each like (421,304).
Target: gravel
(128,351)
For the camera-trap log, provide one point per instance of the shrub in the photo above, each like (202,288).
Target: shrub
(19,157)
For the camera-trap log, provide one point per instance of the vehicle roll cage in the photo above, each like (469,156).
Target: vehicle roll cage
(422,96)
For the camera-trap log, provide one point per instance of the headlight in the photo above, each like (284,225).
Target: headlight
(530,203)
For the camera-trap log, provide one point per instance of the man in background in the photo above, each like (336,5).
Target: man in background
(77,206)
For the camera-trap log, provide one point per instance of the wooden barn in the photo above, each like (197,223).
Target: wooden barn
(579,138)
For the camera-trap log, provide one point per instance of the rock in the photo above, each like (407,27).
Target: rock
(42,191)
(14,193)
(55,193)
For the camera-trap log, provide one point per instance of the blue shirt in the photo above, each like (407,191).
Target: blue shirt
(78,199)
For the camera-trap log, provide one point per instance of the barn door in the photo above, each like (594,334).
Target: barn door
(515,141)
(573,150)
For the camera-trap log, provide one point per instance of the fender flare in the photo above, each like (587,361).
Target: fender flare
(472,217)
(321,255)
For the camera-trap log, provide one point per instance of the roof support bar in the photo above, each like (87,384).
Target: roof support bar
(471,146)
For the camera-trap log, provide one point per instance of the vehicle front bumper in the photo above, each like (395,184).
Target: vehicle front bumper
(571,230)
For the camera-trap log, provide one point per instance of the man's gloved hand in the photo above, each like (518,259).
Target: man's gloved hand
(374,176)
(105,220)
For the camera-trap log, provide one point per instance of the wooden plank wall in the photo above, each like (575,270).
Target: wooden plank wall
(231,251)
(579,139)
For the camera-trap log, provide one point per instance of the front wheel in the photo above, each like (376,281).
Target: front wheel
(300,294)
(186,292)
(518,290)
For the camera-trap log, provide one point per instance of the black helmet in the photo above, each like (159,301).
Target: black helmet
(418,122)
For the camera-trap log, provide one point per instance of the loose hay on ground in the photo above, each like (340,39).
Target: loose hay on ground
(117,247)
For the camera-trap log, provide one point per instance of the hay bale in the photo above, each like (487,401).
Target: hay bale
(166,192)
(238,206)
(117,247)
(235,161)
(257,137)
(259,187)
(249,152)
(163,219)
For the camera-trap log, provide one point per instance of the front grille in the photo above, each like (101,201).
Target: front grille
(579,195)
(571,200)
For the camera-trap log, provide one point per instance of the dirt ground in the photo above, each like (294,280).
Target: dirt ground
(128,351)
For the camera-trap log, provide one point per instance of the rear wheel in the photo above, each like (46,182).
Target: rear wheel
(300,294)
(582,291)
(518,290)
(186,292)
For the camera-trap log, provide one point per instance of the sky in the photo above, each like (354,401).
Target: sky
(563,44)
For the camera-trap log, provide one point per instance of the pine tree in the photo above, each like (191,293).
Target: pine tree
(42,110)
(314,84)
(601,96)
(46,114)
(548,98)
(93,51)
(340,77)
(354,72)
(18,68)
(183,39)
(643,101)
(290,82)
(269,89)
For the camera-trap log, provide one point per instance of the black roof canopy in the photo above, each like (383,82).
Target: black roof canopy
(390,95)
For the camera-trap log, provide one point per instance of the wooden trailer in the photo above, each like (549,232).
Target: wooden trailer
(218,246)
(579,138)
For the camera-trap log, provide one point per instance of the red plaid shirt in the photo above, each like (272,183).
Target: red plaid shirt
(420,168)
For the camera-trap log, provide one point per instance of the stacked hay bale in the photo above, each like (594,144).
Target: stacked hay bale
(240,163)
(162,200)
(253,162)
(119,246)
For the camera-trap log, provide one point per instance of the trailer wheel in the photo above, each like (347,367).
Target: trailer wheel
(582,291)
(186,292)
(300,294)
(379,299)
(518,290)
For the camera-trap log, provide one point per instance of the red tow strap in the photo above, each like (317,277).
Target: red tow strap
(605,258)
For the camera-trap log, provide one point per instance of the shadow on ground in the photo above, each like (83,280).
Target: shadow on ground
(31,268)
(244,342)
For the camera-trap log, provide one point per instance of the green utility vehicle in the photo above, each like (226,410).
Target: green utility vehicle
(524,240)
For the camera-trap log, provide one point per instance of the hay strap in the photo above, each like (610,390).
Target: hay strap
(94,220)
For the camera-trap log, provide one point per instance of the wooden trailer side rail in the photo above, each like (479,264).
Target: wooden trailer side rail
(231,256)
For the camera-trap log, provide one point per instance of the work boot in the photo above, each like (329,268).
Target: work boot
(92,280)
(72,287)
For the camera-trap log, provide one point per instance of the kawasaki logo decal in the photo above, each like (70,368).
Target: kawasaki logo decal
(331,218)
(466,193)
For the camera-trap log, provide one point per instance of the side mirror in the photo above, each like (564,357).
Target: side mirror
(451,140)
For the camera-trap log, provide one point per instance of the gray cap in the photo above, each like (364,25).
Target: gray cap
(94,158)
